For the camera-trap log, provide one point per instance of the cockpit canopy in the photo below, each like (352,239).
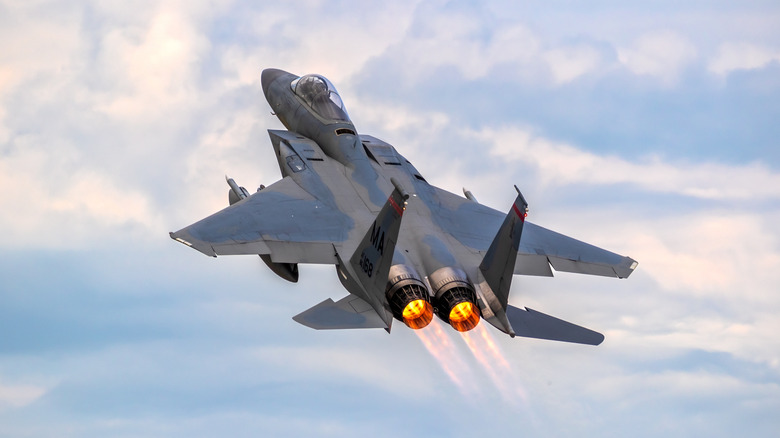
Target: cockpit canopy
(321,96)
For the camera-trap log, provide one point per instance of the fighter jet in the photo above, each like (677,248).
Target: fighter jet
(403,248)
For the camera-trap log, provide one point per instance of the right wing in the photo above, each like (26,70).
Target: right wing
(566,254)
(281,220)
(475,225)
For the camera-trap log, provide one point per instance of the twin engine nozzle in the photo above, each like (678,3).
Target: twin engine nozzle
(454,299)
(408,297)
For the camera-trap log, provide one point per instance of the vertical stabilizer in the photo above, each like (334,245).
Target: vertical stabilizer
(499,263)
(367,271)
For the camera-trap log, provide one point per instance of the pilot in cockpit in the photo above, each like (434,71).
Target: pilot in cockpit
(321,96)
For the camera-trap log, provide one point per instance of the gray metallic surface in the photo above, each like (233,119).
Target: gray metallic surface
(444,279)
(400,276)
(532,324)
(336,194)
(499,263)
(349,312)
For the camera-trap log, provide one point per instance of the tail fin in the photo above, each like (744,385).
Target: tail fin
(366,273)
(374,256)
(499,263)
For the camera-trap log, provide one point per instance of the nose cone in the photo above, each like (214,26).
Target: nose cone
(268,76)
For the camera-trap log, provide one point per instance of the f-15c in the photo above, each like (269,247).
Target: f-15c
(403,248)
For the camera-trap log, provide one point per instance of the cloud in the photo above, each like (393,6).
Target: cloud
(17,396)
(741,56)
(467,39)
(707,253)
(662,54)
(313,38)
(569,63)
(559,163)
(73,212)
(153,66)
(45,43)
(351,363)
(117,121)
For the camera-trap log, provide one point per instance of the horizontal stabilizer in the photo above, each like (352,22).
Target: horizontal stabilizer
(532,324)
(350,312)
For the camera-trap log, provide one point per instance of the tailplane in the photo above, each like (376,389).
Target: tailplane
(532,324)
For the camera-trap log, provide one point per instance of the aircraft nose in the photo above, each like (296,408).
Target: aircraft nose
(268,76)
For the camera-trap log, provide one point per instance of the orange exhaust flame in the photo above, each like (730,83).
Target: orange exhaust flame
(464,316)
(498,356)
(490,357)
(417,314)
(439,345)
(484,361)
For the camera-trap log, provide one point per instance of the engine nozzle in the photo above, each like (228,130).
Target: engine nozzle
(408,297)
(456,301)
(457,306)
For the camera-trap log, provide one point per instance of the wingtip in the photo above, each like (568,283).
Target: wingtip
(626,267)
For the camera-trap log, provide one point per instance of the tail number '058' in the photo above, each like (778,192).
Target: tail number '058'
(366,264)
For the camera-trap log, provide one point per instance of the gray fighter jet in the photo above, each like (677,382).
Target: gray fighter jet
(403,248)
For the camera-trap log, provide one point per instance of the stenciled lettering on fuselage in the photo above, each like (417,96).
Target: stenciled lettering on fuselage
(377,240)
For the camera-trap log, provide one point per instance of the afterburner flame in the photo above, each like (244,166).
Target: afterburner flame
(489,355)
(417,314)
(464,316)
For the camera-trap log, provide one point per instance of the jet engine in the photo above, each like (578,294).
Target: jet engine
(454,298)
(408,297)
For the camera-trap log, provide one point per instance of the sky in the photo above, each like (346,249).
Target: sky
(647,128)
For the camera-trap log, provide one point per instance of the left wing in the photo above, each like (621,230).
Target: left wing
(282,220)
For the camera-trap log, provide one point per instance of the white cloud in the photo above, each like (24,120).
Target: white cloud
(707,254)
(662,54)
(17,396)
(559,163)
(144,67)
(317,39)
(569,63)
(741,56)
(64,213)
(153,66)
(43,43)
(448,37)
